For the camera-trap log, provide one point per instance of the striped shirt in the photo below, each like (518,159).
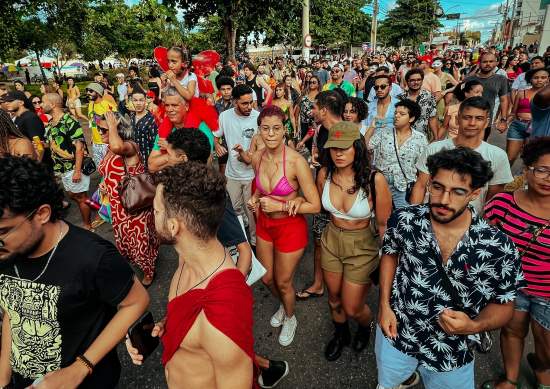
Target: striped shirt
(531,236)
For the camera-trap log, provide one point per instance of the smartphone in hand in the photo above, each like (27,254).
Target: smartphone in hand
(140,335)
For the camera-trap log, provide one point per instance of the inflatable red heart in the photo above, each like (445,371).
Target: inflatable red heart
(161,55)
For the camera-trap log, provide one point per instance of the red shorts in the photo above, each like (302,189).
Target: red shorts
(287,234)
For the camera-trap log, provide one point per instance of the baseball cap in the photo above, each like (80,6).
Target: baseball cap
(14,95)
(96,87)
(342,135)
(437,64)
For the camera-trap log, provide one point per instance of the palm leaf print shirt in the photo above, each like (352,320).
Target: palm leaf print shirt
(484,268)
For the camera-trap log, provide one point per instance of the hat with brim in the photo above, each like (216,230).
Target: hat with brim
(342,135)
(96,87)
(13,96)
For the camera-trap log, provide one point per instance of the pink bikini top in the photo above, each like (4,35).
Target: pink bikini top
(283,187)
(524,105)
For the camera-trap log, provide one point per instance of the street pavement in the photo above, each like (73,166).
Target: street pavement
(308,367)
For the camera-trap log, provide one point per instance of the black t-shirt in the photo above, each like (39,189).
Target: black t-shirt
(30,125)
(322,137)
(57,317)
(230,232)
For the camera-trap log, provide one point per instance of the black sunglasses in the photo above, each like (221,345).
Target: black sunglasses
(380,87)
(102,130)
(36,102)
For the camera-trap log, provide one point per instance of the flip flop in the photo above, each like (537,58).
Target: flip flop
(300,295)
(491,384)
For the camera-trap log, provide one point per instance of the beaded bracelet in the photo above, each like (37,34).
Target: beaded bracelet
(82,359)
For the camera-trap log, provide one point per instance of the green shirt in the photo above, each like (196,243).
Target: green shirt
(346,86)
(62,138)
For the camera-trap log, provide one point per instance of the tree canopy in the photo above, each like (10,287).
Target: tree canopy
(410,22)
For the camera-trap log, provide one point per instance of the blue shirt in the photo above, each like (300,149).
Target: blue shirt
(387,122)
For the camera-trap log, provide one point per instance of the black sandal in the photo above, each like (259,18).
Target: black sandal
(308,294)
(491,383)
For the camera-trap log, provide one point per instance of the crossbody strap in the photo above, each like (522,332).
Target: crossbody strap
(398,159)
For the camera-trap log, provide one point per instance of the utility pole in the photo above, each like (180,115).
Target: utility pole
(305,30)
(374,26)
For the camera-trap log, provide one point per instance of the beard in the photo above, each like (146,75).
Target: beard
(445,220)
(22,254)
(164,236)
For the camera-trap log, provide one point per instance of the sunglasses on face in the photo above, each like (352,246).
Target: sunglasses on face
(335,71)
(380,87)
(102,130)
(36,102)
(13,229)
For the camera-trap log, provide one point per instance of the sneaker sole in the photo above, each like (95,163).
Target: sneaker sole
(260,381)
(275,324)
(416,381)
(288,343)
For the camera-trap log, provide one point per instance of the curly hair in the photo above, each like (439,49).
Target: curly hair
(463,161)
(26,185)
(534,149)
(361,166)
(359,106)
(195,193)
(192,142)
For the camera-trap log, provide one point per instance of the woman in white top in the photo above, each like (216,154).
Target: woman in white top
(353,195)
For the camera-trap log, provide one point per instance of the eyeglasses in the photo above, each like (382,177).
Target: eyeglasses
(539,172)
(380,87)
(438,190)
(275,129)
(36,102)
(337,70)
(14,228)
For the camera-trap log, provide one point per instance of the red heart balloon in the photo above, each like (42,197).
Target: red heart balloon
(161,55)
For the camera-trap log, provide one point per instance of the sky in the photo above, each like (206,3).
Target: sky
(475,15)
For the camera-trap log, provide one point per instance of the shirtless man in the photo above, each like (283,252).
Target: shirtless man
(207,332)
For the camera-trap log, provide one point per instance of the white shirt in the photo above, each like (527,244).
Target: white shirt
(237,130)
(191,77)
(499,164)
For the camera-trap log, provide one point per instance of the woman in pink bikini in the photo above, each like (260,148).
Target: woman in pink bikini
(520,116)
(281,228)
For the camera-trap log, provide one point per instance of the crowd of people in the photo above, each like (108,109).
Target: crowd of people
(389,157)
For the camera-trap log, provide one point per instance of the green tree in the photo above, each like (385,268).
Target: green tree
(410,22)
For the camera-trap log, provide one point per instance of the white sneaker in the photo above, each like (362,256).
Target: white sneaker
(287,332)
(278,317)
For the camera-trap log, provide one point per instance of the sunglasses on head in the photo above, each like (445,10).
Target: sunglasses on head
(380,87)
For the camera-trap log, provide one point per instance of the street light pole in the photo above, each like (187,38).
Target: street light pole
(305,29)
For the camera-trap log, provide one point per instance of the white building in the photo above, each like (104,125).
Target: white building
(528,20)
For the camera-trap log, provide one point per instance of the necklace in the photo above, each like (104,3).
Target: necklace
(47,262)
(204,279)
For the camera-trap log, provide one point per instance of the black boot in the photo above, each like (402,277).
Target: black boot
(361,339)
(341,338)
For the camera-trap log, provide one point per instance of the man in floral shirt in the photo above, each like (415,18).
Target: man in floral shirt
(420,324)
(66,140)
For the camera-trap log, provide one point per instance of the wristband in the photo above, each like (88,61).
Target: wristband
(86,362)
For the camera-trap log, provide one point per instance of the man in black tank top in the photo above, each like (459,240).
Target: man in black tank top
(258,84)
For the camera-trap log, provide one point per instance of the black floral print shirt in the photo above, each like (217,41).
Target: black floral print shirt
(484,268)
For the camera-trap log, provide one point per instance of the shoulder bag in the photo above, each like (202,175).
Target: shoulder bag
(410,185)
(136,191)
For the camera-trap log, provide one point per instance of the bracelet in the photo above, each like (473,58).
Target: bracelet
(82,359)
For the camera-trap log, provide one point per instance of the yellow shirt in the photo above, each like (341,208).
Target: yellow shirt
(98,109)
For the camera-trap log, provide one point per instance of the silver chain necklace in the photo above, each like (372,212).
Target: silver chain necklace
(47,262)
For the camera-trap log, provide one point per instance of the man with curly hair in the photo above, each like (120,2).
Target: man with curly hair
(67,295)
(207,332)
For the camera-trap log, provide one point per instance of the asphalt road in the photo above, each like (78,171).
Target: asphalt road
(308,367)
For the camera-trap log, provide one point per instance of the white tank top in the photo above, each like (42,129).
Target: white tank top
(360,209)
